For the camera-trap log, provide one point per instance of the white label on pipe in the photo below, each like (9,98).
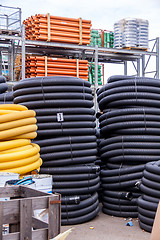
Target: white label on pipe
(60,117)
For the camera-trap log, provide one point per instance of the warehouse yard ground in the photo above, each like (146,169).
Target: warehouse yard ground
(105,227)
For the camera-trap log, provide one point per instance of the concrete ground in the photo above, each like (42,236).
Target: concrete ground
(106,227)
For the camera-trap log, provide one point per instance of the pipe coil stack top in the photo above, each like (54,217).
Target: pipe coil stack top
(66,135)
(129,127)
(148,202)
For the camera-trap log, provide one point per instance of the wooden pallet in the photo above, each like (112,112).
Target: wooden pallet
(18,212)
(135,48)
(10,32)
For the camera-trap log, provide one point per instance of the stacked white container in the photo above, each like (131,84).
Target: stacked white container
(131,32)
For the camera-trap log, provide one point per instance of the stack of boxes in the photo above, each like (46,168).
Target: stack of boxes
(108,39)
(102,38)
(91,78)
(96,38)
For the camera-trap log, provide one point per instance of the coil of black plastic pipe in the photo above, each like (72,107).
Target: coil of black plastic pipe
(148,202)
(3,85)
(6,98)
(130,138)
(67,137)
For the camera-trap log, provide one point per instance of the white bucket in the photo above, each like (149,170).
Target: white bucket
(4,177)
(43,182)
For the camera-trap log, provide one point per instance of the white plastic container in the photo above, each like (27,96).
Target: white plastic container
(43,182)
(4,177)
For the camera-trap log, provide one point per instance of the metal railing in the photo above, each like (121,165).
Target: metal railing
(10,18)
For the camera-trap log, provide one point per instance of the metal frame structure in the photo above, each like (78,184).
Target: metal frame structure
(10,30)
(104,55)
(94,54)
(10,18)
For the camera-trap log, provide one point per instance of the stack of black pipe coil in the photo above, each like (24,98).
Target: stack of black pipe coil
(148,202)
(130,127)
(66,136)
(99,162)
(5,97)
(3,85)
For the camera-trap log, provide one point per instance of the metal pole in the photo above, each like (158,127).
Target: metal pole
(9,63)
(96,77)
(7,22)
(20,17)
(23,51)
(143,65)
(125,67)
(0,63)
(138,67)
(12,61)
(157,57)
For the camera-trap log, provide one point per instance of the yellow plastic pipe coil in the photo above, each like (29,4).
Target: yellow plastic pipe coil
(17,127)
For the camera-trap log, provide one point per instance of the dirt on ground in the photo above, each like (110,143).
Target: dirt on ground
(105,227)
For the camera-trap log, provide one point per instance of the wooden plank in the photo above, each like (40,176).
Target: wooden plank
(11,211)
(38,224)
(54,216)
(11,236)
(40,202)
(11,208)
(156,230)
(40,234)
(9,192)
(1,219)
(135,48)
(29,192)
(26,219)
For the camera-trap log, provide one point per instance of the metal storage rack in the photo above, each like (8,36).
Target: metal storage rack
(94,54)
(10,31)
(16,43)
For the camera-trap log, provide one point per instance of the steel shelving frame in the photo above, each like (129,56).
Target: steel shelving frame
(94,54)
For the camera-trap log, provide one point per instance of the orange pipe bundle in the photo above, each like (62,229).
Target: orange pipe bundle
(58,29)
(47,66)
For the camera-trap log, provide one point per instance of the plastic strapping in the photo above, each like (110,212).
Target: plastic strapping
(66,208)
(5,97)
(83,92)
(42,89)
(61,126)
(77,68)
(123,146)
(80,31)
(48,23)
(145,122)
(120,184)
(46,66)
(70,141)
(89,174)
(136,89)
